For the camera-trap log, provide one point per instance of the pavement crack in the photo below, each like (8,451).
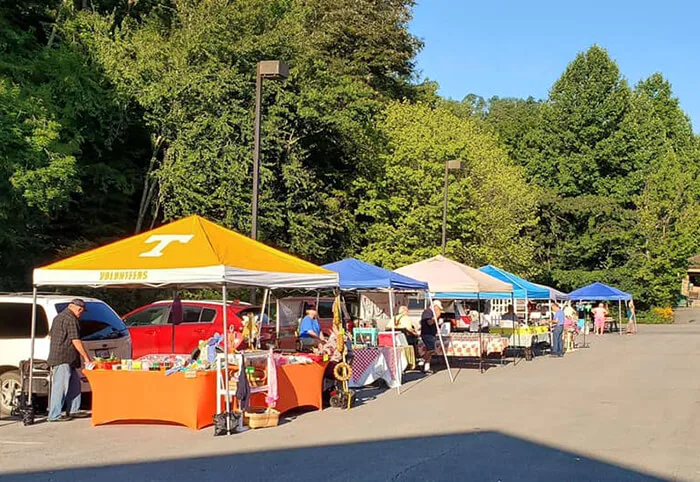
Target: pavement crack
(408,468)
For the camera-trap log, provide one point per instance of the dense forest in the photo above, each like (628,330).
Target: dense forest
(118,115)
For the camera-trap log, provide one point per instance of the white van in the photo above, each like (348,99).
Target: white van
(102,331)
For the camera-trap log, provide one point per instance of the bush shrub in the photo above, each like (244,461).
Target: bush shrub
(656,316)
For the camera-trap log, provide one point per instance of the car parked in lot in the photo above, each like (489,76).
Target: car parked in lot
(102,331)
(152,330)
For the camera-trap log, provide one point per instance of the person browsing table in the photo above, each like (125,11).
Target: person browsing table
(428,331)
(558,331)
(65,352)
(403,323)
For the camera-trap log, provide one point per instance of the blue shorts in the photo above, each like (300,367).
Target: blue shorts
(428,341)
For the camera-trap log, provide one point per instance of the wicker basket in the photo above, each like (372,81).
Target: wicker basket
(261,418)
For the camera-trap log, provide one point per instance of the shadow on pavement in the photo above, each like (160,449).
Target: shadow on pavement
(478,456)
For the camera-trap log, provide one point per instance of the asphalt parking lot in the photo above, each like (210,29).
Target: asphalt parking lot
(627,408)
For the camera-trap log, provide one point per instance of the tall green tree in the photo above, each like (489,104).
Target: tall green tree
(64,154)
(191,73)
(490,208)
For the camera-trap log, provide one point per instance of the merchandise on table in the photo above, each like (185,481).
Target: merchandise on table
(297,359)
(168,364)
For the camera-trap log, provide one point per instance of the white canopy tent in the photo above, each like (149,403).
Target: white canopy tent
(446,277)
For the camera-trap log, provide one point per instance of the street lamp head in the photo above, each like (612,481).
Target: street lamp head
(272,69)
(454,165)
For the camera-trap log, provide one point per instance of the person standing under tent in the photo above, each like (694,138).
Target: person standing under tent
(310,330)
(428,332)
(581,311)
(631,318)
(599,314)
(403,323)
(558,331)
(65,352)
(509,319)
(569,312)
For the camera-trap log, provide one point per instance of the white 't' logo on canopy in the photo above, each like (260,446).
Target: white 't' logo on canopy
(163,240)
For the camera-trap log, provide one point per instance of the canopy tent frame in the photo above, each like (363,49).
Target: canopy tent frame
(130,262)
(601,292)
(446,276)
(358,276)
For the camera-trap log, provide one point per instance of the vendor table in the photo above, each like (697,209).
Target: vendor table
(472,345)
(525,336)
(373,363)
(144,396)
(298,385)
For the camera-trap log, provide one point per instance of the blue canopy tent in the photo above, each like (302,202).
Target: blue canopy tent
(522,288)
(354,274)
(358,275)
(601,292)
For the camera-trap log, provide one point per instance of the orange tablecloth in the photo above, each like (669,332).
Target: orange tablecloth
(151,396)
(297,386)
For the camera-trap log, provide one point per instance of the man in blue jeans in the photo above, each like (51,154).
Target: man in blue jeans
(558,331)
(65,353)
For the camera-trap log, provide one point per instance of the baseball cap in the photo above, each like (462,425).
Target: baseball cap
(438,304)
(78,302)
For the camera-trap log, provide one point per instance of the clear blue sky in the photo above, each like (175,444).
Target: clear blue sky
(511,48)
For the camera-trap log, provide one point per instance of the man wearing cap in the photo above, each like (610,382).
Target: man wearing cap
(65,352)
(428,331)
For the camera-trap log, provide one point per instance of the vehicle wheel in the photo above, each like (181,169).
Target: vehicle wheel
(336,401)
(10,385)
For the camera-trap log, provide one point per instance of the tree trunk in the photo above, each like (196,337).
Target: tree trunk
(149,185)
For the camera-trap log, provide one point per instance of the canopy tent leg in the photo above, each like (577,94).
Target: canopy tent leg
(277,323)
(551,338)
(478,325)
(442,344)
(515,323)
(527,323)
(619,316)
(226,384)
(172,324)
(262,313)
(393,342)
(31,352)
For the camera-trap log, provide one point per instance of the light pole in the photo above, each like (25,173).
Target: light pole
(265,69)
(454,165)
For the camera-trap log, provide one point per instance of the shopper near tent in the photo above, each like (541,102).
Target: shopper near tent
(599,314)
(581,310)
(569,312)
(428,332)
(65,352)
(509,319)
(310,333)
(403,323)
(631,318)
(557,331)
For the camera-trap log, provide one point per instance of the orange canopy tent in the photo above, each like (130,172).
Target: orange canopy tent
(189,252)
